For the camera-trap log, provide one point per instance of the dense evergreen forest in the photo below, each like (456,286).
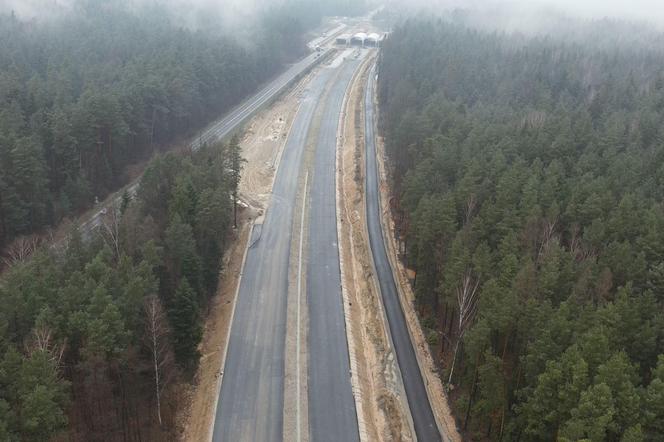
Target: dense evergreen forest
(84,325)
(99,333)
(89,93)
(529,176)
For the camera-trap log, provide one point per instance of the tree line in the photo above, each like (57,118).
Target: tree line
(98,334)
(85,95)
(529,182)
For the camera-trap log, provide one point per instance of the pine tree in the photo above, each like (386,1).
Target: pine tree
(185,325)
(654,402)
(235,166)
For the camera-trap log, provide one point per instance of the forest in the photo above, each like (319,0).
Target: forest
(528,175)
(99,332)
(88,323)
(86,95)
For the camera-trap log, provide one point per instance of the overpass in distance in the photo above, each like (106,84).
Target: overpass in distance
(251,398)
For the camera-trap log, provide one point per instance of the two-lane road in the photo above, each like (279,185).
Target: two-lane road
(241,113)
(250,406)
(223,127)
(332,413)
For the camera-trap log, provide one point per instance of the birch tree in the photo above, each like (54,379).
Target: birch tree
(156,341)
(467,296)
(111,229)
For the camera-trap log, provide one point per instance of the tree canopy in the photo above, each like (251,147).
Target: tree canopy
(87,94)
(533,167)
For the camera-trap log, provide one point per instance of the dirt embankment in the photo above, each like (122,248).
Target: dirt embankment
(384,408)
(382,405)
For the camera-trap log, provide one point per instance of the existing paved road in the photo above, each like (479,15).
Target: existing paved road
(250,407)
(222,128)
(332,415)
(241,113)
(418,401)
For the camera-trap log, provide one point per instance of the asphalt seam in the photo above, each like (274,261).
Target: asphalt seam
(299,298)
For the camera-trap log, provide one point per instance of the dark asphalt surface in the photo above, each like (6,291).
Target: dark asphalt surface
(251,401)
(247,108)
(223,127)
(418,401)
(332,415)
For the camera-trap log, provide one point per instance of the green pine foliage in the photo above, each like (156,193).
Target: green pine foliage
(534,167)
(86,94)
(73,320)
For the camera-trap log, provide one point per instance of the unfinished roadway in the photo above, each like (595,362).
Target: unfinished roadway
(251,401)
(251,404)
(332,413)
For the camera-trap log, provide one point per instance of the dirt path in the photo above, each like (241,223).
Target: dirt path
(262,142)
(382,408)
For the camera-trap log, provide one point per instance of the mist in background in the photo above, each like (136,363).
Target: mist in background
(534,15)
(216,15)
(197,14)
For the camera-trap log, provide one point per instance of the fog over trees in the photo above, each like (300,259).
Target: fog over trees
(531,169)
(98,334)
(525,146)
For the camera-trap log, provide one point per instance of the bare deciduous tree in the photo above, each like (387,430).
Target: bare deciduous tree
(111,229)
(467,304)
(21,249)
(575,240)
(156,340)
(469,209)
(42,340)
(548,234)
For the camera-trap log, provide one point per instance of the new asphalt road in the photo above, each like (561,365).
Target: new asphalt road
(418,401)
(240,114)
(250,406)
(332,415)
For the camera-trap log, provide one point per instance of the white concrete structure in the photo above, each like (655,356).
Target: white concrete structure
(358,39)
(343,40)
(372,40)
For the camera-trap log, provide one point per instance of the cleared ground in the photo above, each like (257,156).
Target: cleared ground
(382,404)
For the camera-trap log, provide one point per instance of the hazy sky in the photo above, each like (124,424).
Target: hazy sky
(635,9)
(649,10)
(28,8)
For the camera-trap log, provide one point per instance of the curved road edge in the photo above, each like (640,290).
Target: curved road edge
(427,424)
